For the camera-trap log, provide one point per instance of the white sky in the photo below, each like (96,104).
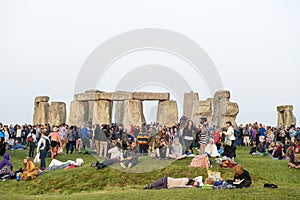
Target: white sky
(255,46)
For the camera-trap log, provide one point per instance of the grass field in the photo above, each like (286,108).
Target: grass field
(113,183)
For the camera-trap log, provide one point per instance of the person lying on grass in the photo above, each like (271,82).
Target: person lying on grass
(295,159)
(56,164)
(168,183)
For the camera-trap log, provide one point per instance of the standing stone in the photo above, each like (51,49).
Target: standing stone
(79,113)
(223,110)
(191,105)
(40,99)
(133,113)
(57,113)
(286,117)
(41,109)
(102,112)
(91,110)
(205,109)
(119,112)
(167,113)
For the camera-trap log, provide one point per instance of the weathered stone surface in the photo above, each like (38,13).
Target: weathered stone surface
(133,113)
(39,99)
(93,91)
(102,112)
(79,112)
(285,108)
(41,111)
(205,109)
(229,113)
(286,117)
(223,110)
(91,110)
(93,96)
(112,96)
(167,113)
(119,112)
(121,95)
(190,104)
(57,113)
(280,120)
(151,96)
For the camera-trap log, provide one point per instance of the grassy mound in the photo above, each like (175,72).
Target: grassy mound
(113,183)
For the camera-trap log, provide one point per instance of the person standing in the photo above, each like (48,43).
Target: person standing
(31,139)
(42,148)
(188,136)
(55,140)
(71,140)
(229,133)
(143,142)
(84,134)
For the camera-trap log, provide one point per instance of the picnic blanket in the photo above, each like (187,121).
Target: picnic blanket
(201,161)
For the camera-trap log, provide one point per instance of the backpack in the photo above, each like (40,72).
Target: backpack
(246,133)
(47,146)
(30,139)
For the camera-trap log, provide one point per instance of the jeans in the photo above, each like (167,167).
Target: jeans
(159,184)
(70,146)
(43,154)
(31,149)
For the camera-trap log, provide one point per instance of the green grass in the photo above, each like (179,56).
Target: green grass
(113,183)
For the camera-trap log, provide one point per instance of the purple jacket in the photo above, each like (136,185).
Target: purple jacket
(5,161)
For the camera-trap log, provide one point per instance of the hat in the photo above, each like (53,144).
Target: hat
(79,161)
(55,129)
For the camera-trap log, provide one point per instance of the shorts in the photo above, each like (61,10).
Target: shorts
(54,144)
(246,139)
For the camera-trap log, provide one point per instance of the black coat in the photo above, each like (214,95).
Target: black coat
(247,179)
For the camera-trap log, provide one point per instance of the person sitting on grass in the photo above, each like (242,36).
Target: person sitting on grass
(29,171)
(271,148)
(168,183)
(116,155)
(278,152)
(18,146)
(229,150)
(241,178)
(5,166)
(211,149)
(132,157)
(176,150)
(257,150)
(295,159)
(162,150)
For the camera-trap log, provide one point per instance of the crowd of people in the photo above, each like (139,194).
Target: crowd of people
(115,144)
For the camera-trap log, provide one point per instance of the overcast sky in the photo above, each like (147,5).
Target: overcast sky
(254,45)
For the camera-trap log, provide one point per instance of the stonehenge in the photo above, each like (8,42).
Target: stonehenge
(97,106)
(46,113)
(218,110)
(286,117)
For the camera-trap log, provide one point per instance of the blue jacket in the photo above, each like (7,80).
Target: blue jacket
(84,133)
